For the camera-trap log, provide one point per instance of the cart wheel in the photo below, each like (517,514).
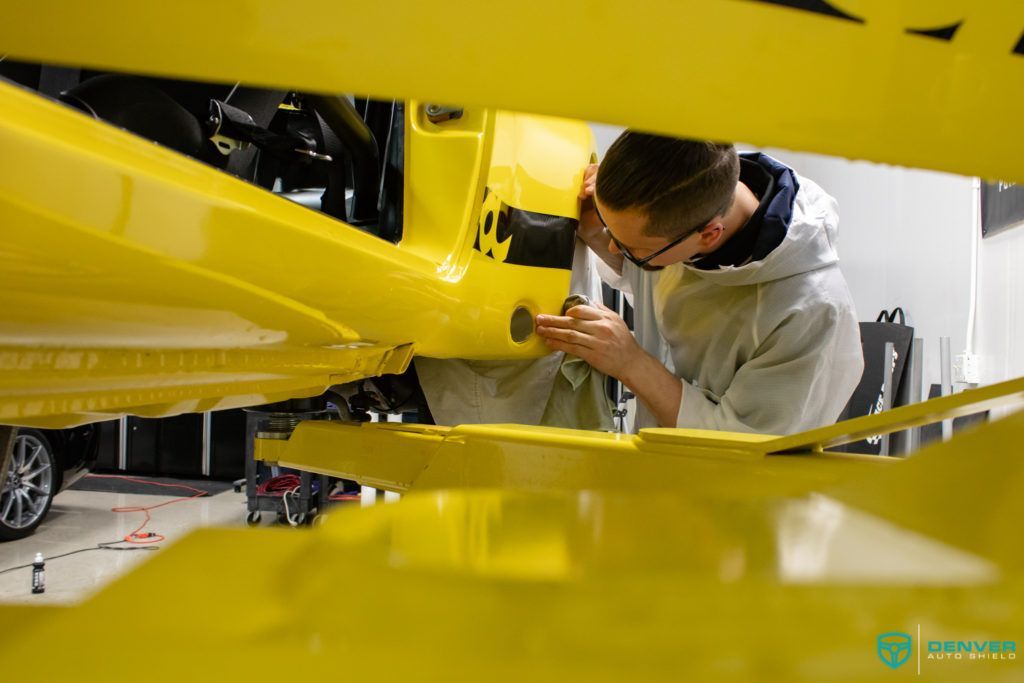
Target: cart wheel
(297,519)
(253,518)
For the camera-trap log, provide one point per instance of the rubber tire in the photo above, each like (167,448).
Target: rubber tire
(10,534)
(253,518)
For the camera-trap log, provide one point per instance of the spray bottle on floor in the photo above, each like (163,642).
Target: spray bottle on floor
(38,574)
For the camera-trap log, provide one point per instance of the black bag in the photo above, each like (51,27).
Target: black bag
(868,396)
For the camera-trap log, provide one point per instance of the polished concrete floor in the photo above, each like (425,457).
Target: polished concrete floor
(80,519)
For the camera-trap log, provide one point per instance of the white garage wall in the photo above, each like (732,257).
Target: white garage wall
(999,338)
(604,136)
(905,240)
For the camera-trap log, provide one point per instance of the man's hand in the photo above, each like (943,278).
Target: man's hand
(594,333)
(591,229)
(600,337)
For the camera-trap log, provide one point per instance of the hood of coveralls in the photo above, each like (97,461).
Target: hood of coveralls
(810,220)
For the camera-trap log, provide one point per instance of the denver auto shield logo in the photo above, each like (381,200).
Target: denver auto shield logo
(894,648)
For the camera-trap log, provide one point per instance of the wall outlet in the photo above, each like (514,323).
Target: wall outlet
(965,368)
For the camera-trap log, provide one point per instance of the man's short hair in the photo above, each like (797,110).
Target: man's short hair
(678,184)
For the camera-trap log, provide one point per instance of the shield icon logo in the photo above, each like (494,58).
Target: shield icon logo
(894,648)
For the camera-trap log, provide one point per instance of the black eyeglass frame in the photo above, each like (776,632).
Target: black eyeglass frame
(641,262)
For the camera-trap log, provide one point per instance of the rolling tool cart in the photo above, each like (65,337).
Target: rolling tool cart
(296,497)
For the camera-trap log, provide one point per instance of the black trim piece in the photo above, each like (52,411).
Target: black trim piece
(944,33)
(537,239)
(815,7)
(541,240)
(1019,49)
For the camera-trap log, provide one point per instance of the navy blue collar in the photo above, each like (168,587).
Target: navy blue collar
(775,185)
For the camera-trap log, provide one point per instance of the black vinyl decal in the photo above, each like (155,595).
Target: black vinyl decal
(944,33)
(815,6)
(524,238)
(541,240)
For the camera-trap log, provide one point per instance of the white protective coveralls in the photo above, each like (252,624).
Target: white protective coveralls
(557,390)
(771,346)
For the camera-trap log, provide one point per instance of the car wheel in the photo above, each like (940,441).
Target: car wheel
(29,485)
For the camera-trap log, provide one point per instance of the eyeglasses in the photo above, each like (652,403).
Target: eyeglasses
(641,262)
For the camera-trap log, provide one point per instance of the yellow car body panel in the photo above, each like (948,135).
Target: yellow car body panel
(119,254)
(718,559)
(605,585)
(868,86)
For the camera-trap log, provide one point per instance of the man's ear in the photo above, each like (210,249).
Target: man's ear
(711,236)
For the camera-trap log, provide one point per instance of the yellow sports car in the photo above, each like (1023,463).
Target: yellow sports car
(199,216)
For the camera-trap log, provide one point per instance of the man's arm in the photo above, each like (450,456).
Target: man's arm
(800,377)
(600,337)
(656,387)
(590,230)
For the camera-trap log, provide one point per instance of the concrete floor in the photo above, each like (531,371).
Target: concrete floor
(79,519)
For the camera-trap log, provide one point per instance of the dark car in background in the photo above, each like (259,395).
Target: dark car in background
(44,462)
(47,461)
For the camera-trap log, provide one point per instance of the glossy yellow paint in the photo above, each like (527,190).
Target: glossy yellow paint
(696,582)
(865,89)
(1003,394)
(534,163)
(401,458)
(580,585)
(665,556)
(59,387)
(268,450)
(120,256)
(965,492)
